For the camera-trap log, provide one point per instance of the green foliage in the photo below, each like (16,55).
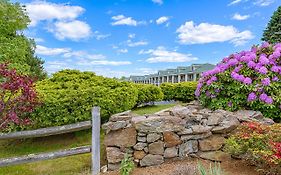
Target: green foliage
(15,48)
(127,165)
(148,93)
(272,33)
(259,144)
(216,170)
(69,96)
(179,91)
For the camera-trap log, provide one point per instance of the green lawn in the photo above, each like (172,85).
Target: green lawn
(73,165)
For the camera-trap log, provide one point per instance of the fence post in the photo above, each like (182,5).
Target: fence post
(95,140)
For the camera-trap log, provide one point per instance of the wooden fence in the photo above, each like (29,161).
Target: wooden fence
(94,148)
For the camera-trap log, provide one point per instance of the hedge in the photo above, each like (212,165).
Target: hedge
(148,93)
(179,91)
(69,95)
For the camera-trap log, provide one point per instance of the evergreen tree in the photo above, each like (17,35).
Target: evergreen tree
(272,33)
(15,48)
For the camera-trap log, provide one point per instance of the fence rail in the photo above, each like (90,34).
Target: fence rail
(44,156)
(47,131)
(94,148)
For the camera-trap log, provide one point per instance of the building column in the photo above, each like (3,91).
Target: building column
(173,79)
(179,78)
(185,77)
(194,77)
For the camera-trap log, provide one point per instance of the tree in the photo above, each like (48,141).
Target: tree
(272,33)
(15,48)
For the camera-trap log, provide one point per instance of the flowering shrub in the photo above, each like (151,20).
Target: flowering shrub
(249,79)
(17,98)
(261,144)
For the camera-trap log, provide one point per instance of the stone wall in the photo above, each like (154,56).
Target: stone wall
(177,132)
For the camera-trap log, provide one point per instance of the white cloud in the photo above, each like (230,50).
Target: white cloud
(131,35)
(39,40)
(73,30)
(137,43)
(84,55)
(54,66)
(162,20)
(239,17)
(160,2)
(162,55)
(263,3)
(234,2)
(122,51)
(110,63)
(208,33)
(100,36)
(42,50)
(123,20)
(46,11)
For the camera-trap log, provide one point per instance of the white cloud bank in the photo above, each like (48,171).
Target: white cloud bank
(189,33)
(160,2)
(62,19)
(123,20)
(162,55)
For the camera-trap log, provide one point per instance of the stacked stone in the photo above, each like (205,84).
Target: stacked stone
(173,133)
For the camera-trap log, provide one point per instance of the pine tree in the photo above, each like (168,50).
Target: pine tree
(272,33)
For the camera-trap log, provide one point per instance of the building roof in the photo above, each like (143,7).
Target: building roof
(194,68)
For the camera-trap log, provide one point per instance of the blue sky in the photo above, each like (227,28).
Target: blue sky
(117,38)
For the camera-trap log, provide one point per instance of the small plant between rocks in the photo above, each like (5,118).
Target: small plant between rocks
(127,165)
(213,170)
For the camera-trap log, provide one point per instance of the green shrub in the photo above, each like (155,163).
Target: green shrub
(179,91)
(148,93)
(69,96)
(249,79)
(127,165)
(259,144)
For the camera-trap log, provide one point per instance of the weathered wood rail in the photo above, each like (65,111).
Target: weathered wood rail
(94,148)
(44,156)
(47,131)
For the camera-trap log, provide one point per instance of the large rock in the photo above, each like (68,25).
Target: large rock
(112,126)
(171,152)
(127,115)
(217,156)
(215,119)
(151,159)
(156,124)
(227,125)
(140,146)
(183,111)
(199,129)
(188,148)
(195,136)
(213,143)
(152,137)
(139,154)
(249,115)
(186,131)
(156,148)
(114,155)
(113,166)
(121,138)
(171,139)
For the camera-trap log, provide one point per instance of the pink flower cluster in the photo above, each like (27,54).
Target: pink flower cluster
(257,60)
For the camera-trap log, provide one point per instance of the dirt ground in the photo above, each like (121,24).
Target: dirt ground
(189,167)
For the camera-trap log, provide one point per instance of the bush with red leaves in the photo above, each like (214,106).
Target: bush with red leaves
(17,98)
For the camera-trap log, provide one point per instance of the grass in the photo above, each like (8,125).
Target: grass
(73,165)
(151,109)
